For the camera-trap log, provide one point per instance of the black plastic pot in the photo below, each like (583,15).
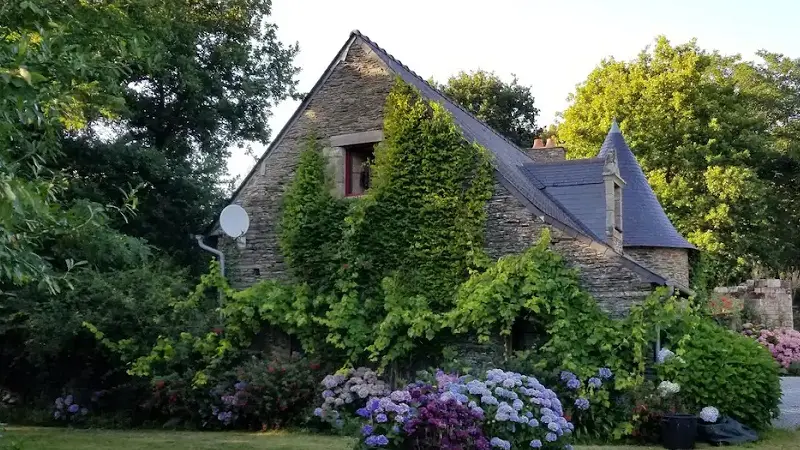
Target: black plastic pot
(678,431)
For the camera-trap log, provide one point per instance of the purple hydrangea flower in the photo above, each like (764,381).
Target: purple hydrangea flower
(574,383)
(595,382)
(550,437)
(381,418)
(240,386)
(582,403)
(536,443)
(327,393)
(367,430)
(318,412)
(605,373)
(500,443)
(73,408)
(373,405)
(363,412)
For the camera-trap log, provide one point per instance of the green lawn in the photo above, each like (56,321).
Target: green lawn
(64,439)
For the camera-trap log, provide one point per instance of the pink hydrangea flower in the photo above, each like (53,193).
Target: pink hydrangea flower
(783,343)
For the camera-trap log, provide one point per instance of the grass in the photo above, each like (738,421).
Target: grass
(30,438)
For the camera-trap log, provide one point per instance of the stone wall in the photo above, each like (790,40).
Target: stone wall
(670,262)
(351,100)
(512,228)
(769,300)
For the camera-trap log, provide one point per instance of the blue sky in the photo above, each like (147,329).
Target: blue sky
(549,45)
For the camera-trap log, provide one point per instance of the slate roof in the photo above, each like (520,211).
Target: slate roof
(577,185)
(644,222)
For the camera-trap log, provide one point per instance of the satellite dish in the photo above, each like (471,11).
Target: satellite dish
(234,221)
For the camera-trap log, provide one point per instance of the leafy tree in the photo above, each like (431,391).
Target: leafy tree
(206,83)
(507,107)
(699,140)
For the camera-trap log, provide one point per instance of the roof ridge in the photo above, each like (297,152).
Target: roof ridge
(566,162)
(438,91)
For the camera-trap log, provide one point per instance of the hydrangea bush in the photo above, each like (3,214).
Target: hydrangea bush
(783,343)
(591,404)
(346,391)
(501,410)
(66,409)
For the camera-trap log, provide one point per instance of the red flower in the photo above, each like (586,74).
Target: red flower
(568,417)
(270,369)
(314,366)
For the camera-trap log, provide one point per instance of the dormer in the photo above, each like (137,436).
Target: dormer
(613,185)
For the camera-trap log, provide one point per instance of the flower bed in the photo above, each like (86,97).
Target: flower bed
(501,410)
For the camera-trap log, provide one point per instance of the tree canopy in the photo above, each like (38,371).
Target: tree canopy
(706,129)
(507,107)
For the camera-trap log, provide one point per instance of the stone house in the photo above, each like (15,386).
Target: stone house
(604,218)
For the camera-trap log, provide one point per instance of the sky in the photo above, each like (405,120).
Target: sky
(550,45)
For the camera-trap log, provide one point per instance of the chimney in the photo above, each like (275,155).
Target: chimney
(546,151)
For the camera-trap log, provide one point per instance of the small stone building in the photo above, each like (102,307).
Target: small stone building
(604,218)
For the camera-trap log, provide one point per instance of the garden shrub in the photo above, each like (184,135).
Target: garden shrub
(783,344)
(265,394)
(718,367)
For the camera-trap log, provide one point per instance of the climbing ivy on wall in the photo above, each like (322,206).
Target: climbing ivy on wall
(388,267)
(312,222)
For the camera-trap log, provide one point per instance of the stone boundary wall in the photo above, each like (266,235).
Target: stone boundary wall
(769,299)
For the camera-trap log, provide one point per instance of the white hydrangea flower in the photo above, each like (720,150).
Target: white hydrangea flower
(668,388)
(709,414)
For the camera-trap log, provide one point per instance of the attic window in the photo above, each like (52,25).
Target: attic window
(617,207)
(358,159)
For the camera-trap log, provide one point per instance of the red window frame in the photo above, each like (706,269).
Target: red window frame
(348,167)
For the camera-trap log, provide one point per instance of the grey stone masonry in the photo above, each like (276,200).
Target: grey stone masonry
(769,299)
(670,262)
(350,101)
(547,154)
(512,228)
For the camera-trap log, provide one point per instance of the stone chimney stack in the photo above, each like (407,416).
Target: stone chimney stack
(546,151)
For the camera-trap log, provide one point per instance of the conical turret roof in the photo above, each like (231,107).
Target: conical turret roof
(644,222)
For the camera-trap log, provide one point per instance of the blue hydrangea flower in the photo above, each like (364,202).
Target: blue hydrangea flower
(240,386)
(376,441)
(567,375)
(595,382)
(553,426)
(533,422)
(605,373)
(373,405)
(327,393)
(381,418)
(73,408)
(317,412)
(517,404)
(536,443)
(395,429)
(582,403)
(500,443)
(363,412)
(489,400)
(550,437)
(528,414)
(68,400)
(367,430)
(574,383)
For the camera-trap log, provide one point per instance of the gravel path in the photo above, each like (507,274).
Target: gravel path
(790,404)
